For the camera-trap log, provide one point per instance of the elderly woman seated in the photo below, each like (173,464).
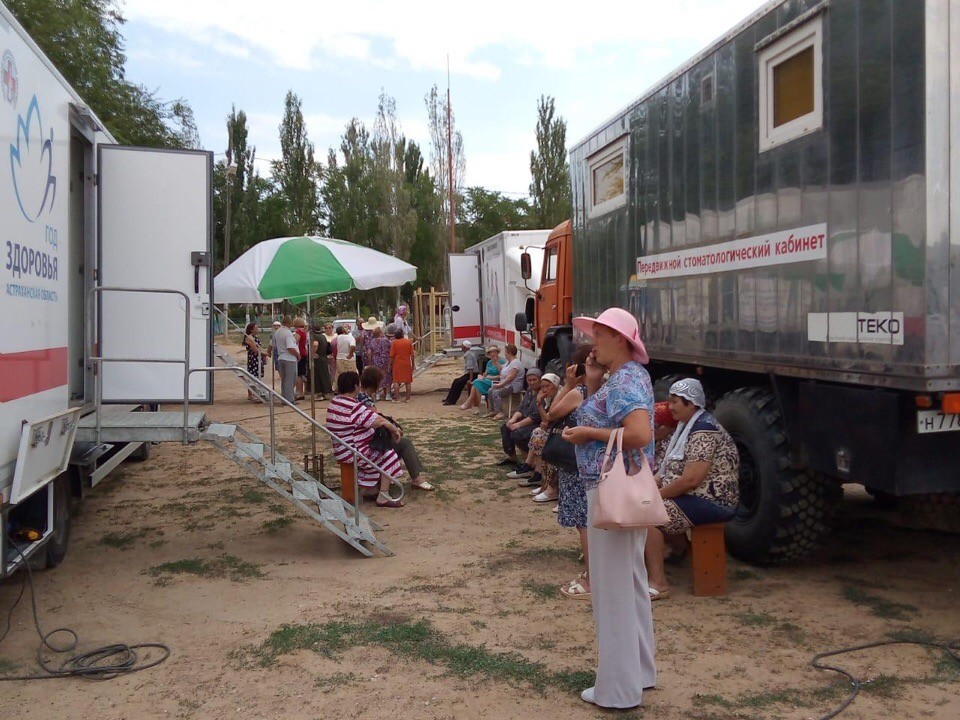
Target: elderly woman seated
(370,380)
(355,424)
(533,472)
(698,479)
(515,432)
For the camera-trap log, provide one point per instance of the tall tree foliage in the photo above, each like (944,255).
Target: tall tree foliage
(296,172)
(439,156)
(484,213)
(550,188)
(82,38)
(427,249)
(257,208)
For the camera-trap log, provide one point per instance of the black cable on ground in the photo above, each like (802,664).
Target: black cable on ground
(951,648)
(103,663)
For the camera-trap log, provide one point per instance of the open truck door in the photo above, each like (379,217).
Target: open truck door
(465,302)
(154,233)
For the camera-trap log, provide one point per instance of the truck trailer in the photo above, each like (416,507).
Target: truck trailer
(80,215)
(782,216)
(488,290)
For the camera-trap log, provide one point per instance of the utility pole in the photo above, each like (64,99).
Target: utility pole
(453,227)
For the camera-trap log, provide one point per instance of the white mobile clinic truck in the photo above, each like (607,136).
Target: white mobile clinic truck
(79,215)
(487,290)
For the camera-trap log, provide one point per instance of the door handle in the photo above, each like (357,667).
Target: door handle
(198,260)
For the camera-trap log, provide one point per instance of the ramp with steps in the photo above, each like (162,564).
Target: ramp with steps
(230,361)
(296,487)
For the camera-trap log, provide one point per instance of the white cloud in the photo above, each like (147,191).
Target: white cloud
(421,33)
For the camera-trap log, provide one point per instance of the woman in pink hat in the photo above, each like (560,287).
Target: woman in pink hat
(618,576)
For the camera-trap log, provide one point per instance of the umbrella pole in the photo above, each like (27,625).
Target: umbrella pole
(313,385)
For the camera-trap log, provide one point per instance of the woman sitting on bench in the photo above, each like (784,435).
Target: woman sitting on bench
(698,479)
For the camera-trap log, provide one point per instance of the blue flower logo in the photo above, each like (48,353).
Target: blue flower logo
(31,165)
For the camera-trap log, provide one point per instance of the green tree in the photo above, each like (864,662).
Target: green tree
(427,250)
(257,208)
(348,186)
(550,188)
(296,172)
(82,38)
(437,111)
(485,213)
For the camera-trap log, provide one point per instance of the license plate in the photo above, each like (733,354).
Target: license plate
(932,421)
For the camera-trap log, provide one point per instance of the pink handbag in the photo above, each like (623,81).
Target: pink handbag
(626,500)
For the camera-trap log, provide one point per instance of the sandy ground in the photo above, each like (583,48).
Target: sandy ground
(282,620)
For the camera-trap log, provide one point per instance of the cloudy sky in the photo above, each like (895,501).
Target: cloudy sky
(337,56)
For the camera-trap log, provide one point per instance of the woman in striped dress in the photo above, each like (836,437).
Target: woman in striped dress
(354,423)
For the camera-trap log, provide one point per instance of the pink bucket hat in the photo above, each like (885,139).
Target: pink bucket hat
(620,321)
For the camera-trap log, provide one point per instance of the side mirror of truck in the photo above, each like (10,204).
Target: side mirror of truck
(520,322)
(526,266)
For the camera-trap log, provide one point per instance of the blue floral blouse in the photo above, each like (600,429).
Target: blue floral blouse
(628,389)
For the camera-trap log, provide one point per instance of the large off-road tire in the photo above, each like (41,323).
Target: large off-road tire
(62,504)
(937,511)
(784,513)
(661,386)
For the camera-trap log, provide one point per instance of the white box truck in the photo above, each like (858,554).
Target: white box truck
(79,212)
(487,290)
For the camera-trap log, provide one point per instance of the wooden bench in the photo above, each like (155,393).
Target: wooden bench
(708,556)
(347,482)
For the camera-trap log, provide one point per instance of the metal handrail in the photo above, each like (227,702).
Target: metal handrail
(99,360)
(335,438)
(229,321)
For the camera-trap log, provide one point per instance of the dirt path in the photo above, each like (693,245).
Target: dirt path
(269,616)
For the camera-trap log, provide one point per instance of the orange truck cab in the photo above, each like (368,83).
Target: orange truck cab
(548,314)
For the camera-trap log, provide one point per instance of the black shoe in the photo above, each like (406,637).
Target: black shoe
(506,462)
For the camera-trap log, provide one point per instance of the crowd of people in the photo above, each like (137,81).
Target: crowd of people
(554,435)
(554,443)
(334,350)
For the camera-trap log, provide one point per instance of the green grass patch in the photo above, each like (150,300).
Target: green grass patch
(228,566)
(541,590)
(773,698)
(877,605)
(754,619)
(125,540)
(791,633)
(419,641)
(277,524)
(255,497)
(885,686)
(743,574)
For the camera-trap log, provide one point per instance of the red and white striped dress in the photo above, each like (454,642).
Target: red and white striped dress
(352,422)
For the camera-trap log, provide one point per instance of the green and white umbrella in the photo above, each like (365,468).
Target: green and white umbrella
(296,268)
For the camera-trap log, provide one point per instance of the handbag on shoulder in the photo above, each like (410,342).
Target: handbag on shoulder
(382,440)
(626,499)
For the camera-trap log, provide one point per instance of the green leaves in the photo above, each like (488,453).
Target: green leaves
(82,38)
(549,168)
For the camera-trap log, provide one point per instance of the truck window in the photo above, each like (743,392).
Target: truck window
(791,85)
(550,267)
(608,180)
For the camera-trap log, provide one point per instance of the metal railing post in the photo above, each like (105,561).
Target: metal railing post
(356,489)
(273,435)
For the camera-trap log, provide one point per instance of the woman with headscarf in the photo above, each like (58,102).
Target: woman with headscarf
(698,478)
(618,578)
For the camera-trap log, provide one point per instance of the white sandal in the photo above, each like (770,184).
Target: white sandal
(544,498)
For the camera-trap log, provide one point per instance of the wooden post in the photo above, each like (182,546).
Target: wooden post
(709,560)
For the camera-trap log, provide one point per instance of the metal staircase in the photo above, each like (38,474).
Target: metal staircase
(258,458)
(229,361)
(295,486)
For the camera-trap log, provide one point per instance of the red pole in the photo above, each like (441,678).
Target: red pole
(453,233)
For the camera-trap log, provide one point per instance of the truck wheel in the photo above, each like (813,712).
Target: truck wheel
(62,500)
(661,388)
(558,365)
(783,513)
